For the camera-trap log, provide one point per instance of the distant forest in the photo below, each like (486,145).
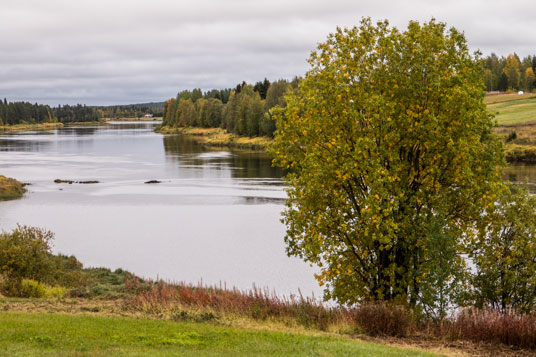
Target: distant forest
(22,112)
(12,113)
(510,73)
(131,110)
(243,110)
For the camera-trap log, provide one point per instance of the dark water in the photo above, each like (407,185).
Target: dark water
(522,174)
(214,217)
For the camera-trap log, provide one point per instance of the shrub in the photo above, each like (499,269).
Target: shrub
(56,292)
(511,137)
(24,254)
(28,288)
(67,271)
(383,319)
(31,289)
(10,287)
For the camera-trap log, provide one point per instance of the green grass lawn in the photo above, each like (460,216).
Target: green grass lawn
(25,334)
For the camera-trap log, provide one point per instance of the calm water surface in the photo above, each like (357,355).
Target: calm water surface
(214,218)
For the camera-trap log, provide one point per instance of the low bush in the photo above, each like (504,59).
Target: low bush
(31,289)
(56,292)
(24,254)
(28,288)
(384,319)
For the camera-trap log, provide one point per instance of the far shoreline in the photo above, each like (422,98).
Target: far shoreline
(218,137)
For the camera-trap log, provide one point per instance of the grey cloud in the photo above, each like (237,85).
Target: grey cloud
(119,51)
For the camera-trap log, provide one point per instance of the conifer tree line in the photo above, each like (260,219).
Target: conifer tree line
(244,110)
(76,113)
(510,73)
(131,110)
(22,112)
(12,113)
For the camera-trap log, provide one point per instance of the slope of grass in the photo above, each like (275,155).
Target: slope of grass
(516,111)
(66,335)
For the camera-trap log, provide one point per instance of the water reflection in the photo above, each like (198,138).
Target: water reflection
(187,152)
(521,174)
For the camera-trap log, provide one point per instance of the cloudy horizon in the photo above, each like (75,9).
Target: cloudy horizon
(120,52)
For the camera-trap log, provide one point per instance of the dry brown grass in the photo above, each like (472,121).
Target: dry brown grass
(164,299)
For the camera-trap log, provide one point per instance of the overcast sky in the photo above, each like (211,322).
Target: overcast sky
(101,52)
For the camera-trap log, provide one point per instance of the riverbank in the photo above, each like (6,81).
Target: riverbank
(86,123)
(64,286)
(219,137)
(101,312)
(30,127)
(101,319)
(112,312)
(10,189)
(134,119)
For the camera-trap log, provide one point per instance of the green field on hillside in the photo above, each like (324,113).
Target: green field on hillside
(510,109)
(25,334)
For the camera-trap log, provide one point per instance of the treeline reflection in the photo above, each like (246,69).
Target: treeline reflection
(186,151)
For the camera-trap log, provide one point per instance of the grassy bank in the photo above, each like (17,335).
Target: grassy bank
(86,123)
(10,189)
(30,127)
(58,334)
(219,137)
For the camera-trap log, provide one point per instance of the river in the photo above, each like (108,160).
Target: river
(214,218)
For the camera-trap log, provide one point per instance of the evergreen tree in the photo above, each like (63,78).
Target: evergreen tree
(503,82)
(262,88)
